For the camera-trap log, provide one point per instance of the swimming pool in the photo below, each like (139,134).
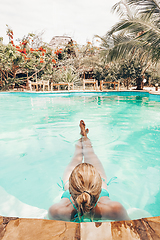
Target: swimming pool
(38,133)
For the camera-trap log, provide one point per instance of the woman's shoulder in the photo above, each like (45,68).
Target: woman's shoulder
(61,210)
(111,210)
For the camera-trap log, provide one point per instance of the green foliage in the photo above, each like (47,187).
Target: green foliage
(137,29)
(135,37)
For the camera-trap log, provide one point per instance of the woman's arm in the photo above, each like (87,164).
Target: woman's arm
(111,210)
(60,211)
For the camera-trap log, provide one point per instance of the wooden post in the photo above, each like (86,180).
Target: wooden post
(127,84)
(96,84)
(149,81)
(114,85)
(27,84)
(83,84)
(101,85)
(118,86)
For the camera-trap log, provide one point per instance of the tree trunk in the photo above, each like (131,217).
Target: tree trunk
(128,82)
(139,81)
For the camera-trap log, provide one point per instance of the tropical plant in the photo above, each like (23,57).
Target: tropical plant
(23,58)
(136,36)
(139,27)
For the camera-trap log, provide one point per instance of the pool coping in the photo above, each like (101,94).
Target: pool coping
(12,228)
(86,91)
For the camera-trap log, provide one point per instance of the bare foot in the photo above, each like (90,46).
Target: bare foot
(84,131)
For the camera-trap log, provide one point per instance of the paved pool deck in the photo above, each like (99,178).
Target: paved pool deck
(41,229)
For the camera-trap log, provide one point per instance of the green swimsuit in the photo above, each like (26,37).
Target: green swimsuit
(104,193)
(66,194)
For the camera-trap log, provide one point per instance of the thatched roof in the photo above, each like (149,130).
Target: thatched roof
(59,41)
(84,69)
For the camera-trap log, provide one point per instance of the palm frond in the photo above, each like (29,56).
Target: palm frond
(122,9)
(145,6)
(123,46)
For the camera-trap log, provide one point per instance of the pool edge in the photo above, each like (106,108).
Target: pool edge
(23,228)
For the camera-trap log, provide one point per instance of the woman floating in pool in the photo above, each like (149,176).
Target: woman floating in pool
(86,197)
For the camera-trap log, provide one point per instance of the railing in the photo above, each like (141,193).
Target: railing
(39,84)
(62,84)
(114,83)
(90,81)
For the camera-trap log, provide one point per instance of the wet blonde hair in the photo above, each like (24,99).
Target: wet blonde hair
(85,187)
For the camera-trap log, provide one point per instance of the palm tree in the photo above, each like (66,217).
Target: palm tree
(142,26)
(137,34)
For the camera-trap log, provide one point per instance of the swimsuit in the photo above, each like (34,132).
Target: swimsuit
(66,194)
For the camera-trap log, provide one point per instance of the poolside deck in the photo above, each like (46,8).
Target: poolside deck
(145,89)
(28,229)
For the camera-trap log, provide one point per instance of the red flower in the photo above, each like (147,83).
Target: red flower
(40,49)
(41,60)
(24,51)
(54,61)
(25,42)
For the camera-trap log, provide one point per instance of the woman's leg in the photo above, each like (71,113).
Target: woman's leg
(90,156)
(77,159)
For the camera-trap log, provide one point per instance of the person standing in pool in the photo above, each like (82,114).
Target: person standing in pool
(86,197)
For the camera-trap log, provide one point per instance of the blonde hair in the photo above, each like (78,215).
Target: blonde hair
(85,187)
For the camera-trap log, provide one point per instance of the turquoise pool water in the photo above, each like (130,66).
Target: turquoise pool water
(38,133)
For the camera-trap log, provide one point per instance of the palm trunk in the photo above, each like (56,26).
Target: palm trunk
(139,82)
